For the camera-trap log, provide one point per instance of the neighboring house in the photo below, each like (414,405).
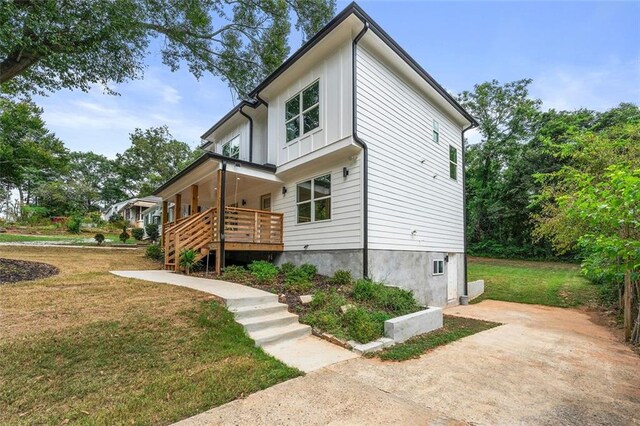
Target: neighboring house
(348,156)
(152,214)
(131,210)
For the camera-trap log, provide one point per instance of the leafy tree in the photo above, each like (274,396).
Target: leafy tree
(29,153)
(48,45)
(153,158)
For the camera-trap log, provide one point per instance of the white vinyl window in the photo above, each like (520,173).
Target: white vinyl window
(302,112)
(453,163)
(232,148)
(438,267)
(313,198)
(436,131)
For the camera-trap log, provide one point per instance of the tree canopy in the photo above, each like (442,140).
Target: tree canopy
(47,45)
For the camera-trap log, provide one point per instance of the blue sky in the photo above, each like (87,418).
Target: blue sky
(579,54)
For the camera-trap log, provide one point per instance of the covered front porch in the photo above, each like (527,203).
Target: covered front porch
(193,200)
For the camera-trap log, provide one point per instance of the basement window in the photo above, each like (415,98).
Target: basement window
(438,267)
(232,148)
(453,163)
(436,131)
(302,112)
(313,198)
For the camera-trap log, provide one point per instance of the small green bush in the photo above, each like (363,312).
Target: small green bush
(326,321)
(155,252)
(298,281)
(360,326)
(235,273)
(379,296)
(364,290)
(124,235)
(188,259)
(73,224)
(264,272)
(327,300)
(341,277)
(99,238)
(137,233)
(153,232)
(309,270)
(287,267)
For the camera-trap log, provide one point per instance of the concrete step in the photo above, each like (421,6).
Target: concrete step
(241,301)
(280,334)
(243,312)
(277,319)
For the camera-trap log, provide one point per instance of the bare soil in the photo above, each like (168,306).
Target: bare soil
(12,270)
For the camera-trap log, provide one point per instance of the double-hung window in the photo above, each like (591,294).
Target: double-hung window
(302,112)
(453,163)
(313,198)
(436,131)
(232,148)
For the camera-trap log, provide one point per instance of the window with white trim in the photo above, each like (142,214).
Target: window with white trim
(232,148)
(302,112)
(453,163)
(313,199)
(436,131)
(438,267)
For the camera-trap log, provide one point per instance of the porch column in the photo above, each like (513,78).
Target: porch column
(220,201)
(178,206)
(165,212)
(194,199)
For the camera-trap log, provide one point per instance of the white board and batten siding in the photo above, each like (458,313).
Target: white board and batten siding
(396,121)
(344,229)
(242,130)
(334,74)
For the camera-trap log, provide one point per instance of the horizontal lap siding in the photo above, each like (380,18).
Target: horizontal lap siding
(343,231)
(395,121)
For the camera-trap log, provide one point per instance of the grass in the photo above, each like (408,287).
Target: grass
(94,348)
(542,283)
(60,238)
(454,328)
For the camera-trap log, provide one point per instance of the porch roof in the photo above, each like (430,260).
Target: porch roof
(207,164)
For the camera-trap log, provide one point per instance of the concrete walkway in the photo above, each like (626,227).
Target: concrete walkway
(267,321)
(544,366)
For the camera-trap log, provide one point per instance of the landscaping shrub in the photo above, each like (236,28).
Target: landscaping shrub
(235,273)
(73,224)
(360,326)
(153,232)
(379,296)
(298,281)
(342,277)
(124,235)
(264,272)
(309,270)
(99,238)
(137,233)
(34,215)
(188,259)
(328,322)
(155,252)
(328,301)
(287,267)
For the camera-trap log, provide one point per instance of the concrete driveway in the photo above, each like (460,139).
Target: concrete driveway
(543,366)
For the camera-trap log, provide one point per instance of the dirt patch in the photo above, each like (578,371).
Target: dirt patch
(12,271)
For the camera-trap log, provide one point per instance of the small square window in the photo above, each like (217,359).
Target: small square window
(438,267)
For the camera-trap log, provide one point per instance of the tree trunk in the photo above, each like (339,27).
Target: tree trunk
(635,333)
(628,305)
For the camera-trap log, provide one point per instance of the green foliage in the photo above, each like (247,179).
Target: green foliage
(308,270)
(361,326)
(298,281)
(342,277)
(188,259)
(152,231)
(137,233)
(264,272)
(73,224)
(379,296)
(287,267)
(155,252)
(327,321)
(46,47)
(99,238)
(235,273)
(124,235)
(330,301)
(35,215)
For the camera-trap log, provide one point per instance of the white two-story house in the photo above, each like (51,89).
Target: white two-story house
(348,156)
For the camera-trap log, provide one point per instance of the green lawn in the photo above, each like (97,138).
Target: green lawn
(84,238)
(454,328)
(542,283)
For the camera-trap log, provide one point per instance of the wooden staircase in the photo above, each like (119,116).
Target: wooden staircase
(193,232)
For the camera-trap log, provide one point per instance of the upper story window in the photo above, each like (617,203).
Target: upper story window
(436,131)
(453,163)
(314,199)
(302,112)
(232,148)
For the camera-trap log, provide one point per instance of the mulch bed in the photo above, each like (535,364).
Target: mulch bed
(12,271)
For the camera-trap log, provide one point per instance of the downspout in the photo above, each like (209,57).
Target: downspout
(464,213)
(223,186)
(250,133)
(365,166)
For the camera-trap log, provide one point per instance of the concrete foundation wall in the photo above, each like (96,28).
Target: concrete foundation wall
(327,261)
(476,288)
(412,270)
